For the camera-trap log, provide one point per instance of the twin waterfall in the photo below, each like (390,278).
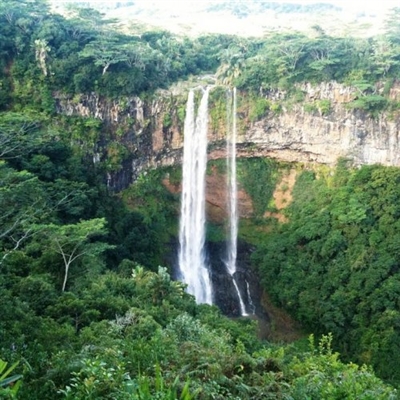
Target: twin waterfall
(193,265)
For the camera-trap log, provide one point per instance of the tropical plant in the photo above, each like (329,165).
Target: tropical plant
(9,384)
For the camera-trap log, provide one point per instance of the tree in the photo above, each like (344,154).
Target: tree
(22,203)
(105,51)
(392,25)
(291,49)
(137,54)
(232,61)
(384,56)
(74,241)
(17,133)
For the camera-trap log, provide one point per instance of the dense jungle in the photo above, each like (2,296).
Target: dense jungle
(89,306)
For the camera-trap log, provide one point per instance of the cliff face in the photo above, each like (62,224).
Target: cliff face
(135,124)
(152,131)
(310,136)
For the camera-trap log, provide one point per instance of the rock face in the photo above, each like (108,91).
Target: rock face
(217,202)
(152,131)
(224,292)
(298,135)
(136,125)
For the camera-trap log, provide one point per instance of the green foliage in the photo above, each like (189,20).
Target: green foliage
(84,133)
(97,380)
(45,52)
(120,330)
(258,177)
(210,351)
(116,154)
(324,106)
(18,132)
(393,26)
(310,108)
(218,109)
(334,264)
(104,51)
(276,108)
(150,197)
(321,375)
(9,384)
(282,59)
(167,121)
(372,104)
(258,109)
(215,232)
(73,241)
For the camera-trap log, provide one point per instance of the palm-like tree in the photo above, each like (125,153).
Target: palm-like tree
(232,63)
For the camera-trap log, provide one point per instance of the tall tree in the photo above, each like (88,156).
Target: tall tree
(105,51)
(73,241)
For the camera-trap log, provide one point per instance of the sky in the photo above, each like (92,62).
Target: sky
(187,16)
(354,4)
(367,5)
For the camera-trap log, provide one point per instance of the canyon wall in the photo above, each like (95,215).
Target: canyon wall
(152,130)
(312,136)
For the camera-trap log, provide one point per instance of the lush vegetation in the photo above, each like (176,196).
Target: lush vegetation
(87,313)
(42,52)
(282,60)
(258,176)
(335,265)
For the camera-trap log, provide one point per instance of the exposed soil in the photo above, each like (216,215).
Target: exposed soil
(283,195)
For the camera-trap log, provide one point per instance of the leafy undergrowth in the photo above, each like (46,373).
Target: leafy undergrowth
(164,346)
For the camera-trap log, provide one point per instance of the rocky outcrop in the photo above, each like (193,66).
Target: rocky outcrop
(136,124)
(152,131)
(217,202)
(310,136)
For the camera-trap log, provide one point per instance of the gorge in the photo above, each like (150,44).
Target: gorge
(299,132)
(298,215)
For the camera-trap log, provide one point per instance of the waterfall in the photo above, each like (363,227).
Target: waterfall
(192,260)
(232,197)
(251,304)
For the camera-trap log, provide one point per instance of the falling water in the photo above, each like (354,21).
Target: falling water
(192,263)
(232,199)
(251,304)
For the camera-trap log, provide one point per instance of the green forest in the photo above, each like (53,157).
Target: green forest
(88,306)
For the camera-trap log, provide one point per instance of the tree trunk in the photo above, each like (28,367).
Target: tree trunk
(65,277)
(105,68)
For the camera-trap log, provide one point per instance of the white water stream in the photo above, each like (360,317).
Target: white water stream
(232,197)
(192,260)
